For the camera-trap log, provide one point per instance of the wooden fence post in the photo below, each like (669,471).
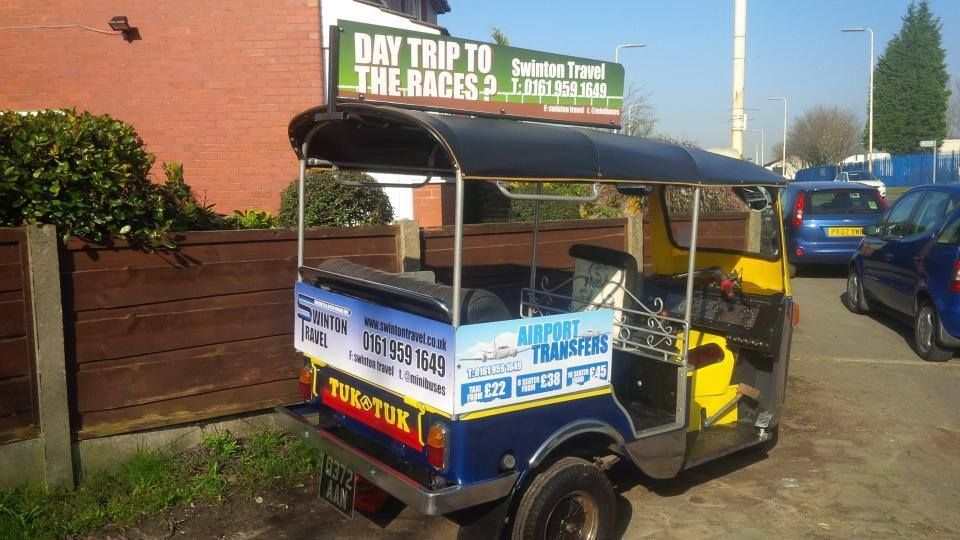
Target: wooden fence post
(408,251)
(49,352)
(634,238)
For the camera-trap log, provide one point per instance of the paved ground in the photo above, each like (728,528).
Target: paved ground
(870,448)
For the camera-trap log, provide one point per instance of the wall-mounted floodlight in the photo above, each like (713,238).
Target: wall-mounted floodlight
(122,25)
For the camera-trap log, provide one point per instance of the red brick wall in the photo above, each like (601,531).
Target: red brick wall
(212,83)
(433,204)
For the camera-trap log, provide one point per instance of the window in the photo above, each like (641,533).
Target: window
(895,223)
(732,225)
(951,233)
(412,7)
(844,201)
(935,205)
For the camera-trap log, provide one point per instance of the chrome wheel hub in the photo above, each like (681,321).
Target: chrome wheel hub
(575,517)
(925,329)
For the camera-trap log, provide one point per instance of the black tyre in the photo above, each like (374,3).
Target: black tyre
(792,270)
(572,499)
(925,327)
(855,300)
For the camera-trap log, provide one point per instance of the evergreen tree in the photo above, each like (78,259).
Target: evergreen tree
(911,85)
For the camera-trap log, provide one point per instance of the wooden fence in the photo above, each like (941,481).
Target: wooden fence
(161,338)
(19,414)
(497,255)
(155,339)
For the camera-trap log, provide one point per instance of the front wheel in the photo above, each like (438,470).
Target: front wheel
(856,301)
(573,499)
(925,326)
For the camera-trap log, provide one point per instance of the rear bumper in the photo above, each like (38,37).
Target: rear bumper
(822,252)
(410,492)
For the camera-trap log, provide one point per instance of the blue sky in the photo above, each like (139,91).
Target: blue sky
(794,48)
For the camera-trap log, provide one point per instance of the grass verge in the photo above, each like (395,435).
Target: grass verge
(154,481)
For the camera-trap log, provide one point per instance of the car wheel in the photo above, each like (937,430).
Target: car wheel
(856,301)
(925,326)
(792,269)
(571,499)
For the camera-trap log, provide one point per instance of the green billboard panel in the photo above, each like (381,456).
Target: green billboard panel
(429,71)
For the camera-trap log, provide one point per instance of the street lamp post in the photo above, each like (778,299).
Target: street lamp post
(870,106)
(762,145)
(616,54)
(783,162)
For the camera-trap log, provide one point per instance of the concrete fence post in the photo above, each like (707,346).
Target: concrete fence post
(51,359)
(408,252)
(635,239)
(754,229)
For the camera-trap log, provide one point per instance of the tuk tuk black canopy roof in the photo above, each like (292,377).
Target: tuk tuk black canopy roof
(387,139)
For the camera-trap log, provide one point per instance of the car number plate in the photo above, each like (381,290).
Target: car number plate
(845,231)
(338,485)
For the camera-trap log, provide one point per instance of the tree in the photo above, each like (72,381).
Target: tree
(910,85)
(636,117)
(824,135)
(498,37)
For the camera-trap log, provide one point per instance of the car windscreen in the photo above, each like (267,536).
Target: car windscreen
(861,176)
(843,201)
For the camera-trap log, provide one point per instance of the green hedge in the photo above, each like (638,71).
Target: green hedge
(330,204)
(90,176)
(86,174)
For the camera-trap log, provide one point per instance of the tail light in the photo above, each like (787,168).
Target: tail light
(955,284)
(884,204)
(437,446)
(306,382)
(704,355)
(798,209)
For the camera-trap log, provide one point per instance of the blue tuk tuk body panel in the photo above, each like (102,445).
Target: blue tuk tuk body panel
(502,388)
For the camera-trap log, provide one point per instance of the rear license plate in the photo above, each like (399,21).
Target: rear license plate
(338,485)
(845,231)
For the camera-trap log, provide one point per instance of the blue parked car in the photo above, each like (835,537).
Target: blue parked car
(823,221)
(908,264)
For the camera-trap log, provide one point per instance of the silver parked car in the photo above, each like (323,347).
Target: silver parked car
(863,178)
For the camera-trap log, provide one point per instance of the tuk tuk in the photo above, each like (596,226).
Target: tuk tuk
(507,414)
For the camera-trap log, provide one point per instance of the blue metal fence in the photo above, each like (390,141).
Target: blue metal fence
(905,170)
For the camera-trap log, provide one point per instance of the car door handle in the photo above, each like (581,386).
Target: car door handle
(888,257)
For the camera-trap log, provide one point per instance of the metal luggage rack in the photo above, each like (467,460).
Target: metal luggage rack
(644,331)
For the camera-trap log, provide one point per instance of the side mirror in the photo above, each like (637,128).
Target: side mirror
(756,198)
(871,230)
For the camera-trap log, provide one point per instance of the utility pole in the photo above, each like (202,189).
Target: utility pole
(870,106)
(783,162)
(739,53)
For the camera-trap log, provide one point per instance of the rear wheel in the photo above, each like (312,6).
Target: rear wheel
(792,268)
(925,326)
(855,299)
(573,499)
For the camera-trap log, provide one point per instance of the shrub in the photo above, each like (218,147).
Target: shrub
(330,204)
(180,205)
(86,174)
(89,176)
(251,219)
(610,203)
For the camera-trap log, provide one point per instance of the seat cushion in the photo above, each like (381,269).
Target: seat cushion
(477,305)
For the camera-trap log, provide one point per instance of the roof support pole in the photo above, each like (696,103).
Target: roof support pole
(301,211)
(533,248)
(691,268)
(458,249)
